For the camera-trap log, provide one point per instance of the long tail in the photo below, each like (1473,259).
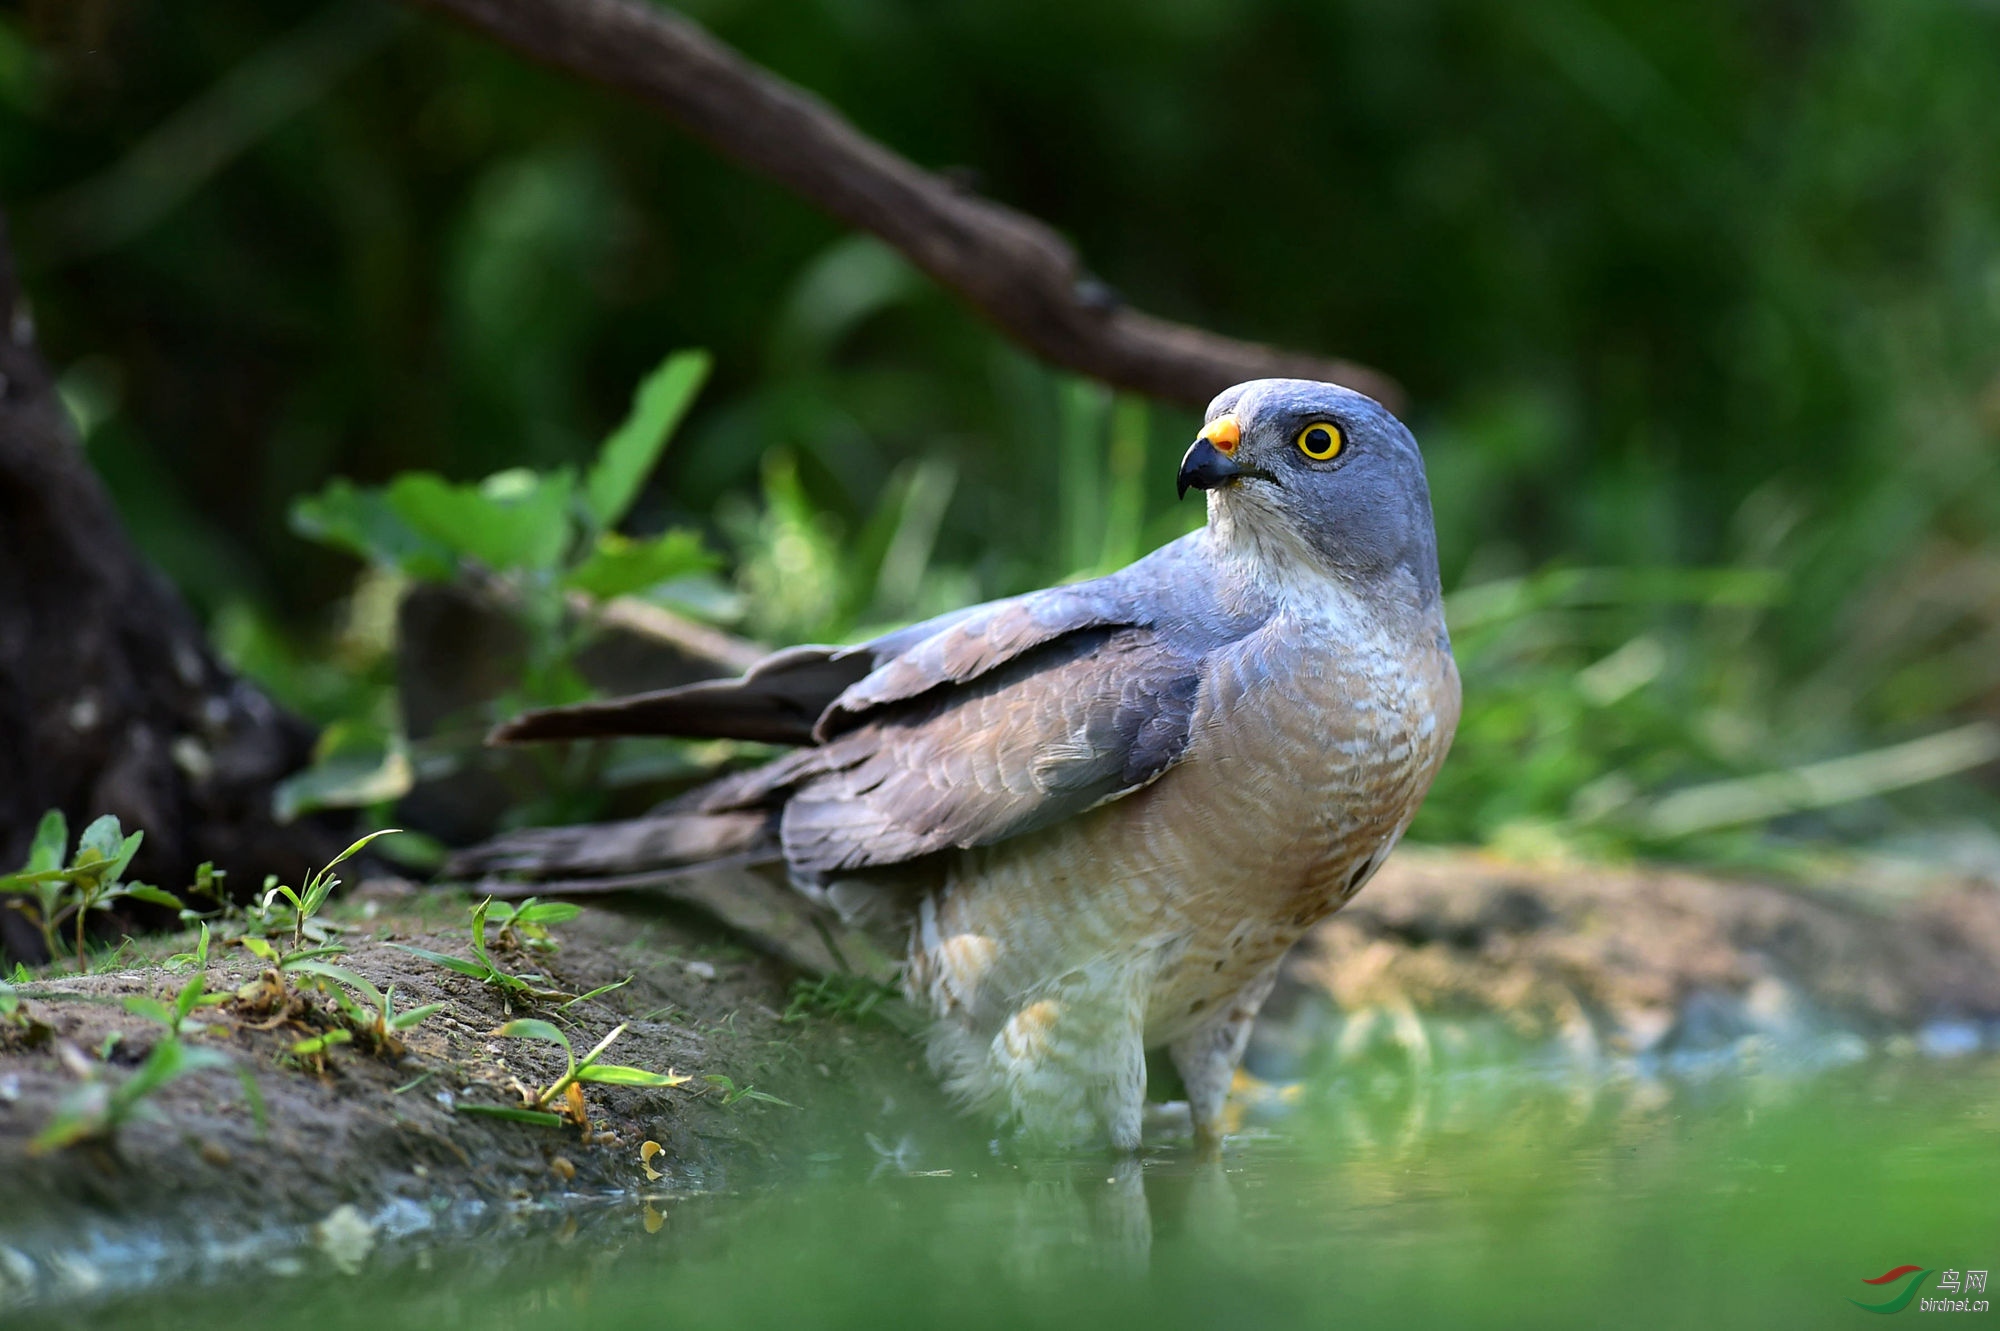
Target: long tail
(725,864)
(646,845)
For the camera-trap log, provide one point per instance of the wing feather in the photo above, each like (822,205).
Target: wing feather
(962,731)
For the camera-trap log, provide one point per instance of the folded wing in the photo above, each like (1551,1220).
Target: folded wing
(958,732)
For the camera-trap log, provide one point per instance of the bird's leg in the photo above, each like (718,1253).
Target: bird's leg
(1074,1061)
(1207,1059)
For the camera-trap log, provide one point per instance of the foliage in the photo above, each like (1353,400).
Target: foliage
(174,1016)
(285,910)
(524,926)
(52,892)
(848,997)
(567,1090)
(1676,293)
(483,968)
(102,1104)
(375,1016)
(732,1094)
(283,907)
(544,545)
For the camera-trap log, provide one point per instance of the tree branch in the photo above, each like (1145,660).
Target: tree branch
(1012,268)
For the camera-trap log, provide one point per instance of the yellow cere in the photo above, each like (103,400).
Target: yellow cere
(1320,440)
(1224,433)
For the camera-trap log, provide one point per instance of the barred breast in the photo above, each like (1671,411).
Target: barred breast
(1316,741)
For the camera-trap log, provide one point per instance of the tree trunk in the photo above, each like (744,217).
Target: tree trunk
(110,699)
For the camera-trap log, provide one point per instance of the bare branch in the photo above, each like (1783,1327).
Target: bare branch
(1012,268)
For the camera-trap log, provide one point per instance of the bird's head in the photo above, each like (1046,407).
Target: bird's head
(1301,471)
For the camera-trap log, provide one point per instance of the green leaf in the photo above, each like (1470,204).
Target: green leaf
(358,847)
(403,1021)
(10,1002)
(617,1074)
(84,1113)
(319,1044)
(189,998)
(364,523)
(123,857)
(157,896)
(598,992)
(104,836)
(297,959)
(619,566)
(51,845)
(253,1095)
(528,1028)
(628,456)
(511,520)
(538,1117)
(459,964)
(152,1009)
(346,778)
(170,1059)
(548,912)
(479,934)
(343,976)
(259,948)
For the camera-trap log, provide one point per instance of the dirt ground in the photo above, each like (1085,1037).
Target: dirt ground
(1603,961)
(1612,961)
(367,1128)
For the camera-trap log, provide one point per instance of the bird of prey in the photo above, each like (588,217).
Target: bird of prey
(1094,818)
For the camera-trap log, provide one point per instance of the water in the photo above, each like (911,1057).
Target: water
(1502,1197)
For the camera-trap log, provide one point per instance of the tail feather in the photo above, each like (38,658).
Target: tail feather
(778,702)
(751,897)
(637,846)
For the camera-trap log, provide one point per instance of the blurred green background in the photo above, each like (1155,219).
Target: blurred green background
(1698,310)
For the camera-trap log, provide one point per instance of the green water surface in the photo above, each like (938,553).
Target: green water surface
(1504,1197)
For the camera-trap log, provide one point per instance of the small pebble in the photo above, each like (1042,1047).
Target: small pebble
(346,1238)
(563,1168)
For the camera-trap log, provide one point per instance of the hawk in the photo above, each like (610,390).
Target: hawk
(1094,818)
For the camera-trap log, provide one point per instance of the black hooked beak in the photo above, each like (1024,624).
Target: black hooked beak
(1206,467)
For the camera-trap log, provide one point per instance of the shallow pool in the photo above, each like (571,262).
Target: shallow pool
(1501,1196)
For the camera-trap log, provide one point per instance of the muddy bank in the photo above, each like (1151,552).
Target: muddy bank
(1600,963)
(1639,962)
(385,1130)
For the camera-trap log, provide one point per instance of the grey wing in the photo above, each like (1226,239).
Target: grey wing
(958,732)
(1085,719)
(793,696)
(777,702)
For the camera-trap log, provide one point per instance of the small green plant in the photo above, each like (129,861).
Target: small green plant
(483,968)
(13,1016)
(311,1051)
(174,1016)
(848,997)
(732,1094)
(55,888)
(197,959)
(544,546)
(283,907)
(524,925)
(207,888)
(567,1090)
(373,1015)
(102,1104)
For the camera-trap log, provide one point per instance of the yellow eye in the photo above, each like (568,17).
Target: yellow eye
(1320,442)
